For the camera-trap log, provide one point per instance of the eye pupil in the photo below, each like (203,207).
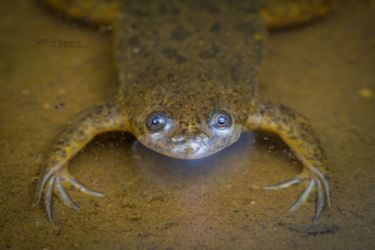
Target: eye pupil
(156,121)
(221,120)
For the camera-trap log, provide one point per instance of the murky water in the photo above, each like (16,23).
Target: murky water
(324,70)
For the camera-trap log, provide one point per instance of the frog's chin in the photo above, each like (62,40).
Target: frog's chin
(184,153)
(196,147)
(189,152)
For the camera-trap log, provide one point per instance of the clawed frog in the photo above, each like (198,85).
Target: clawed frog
(188,73)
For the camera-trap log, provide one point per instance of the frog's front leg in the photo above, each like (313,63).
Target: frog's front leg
(295,130)
(82,129)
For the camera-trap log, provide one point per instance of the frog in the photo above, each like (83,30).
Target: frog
(188,74)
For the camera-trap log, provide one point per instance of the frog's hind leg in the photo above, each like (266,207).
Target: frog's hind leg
(296,132)
(281,14)
(97,12)
(88,124)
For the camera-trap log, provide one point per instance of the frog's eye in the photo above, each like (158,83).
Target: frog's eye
(220,120)
(156,121)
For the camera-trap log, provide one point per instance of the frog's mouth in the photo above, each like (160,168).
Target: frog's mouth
(189,147)
(190,150)
(181,148)
(194,148)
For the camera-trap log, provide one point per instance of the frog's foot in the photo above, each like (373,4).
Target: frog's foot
(316,182)
(56,182)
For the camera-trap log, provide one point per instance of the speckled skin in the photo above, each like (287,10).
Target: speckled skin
(187,67)
(188,59)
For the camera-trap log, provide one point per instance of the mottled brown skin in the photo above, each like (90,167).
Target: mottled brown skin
(191,61)
(187,66)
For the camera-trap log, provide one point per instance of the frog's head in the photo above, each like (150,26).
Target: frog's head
(190,138)
(188,124)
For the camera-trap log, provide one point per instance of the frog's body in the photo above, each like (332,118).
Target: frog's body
(188,72)
(187,67)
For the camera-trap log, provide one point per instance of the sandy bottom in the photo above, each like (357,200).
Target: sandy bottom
(324,70)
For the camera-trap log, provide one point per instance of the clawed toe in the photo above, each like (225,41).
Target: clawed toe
(75,183)
(284,184)
(64,196)
(48,197)
(316,181)
(53,182)
(319,200)
(303,197)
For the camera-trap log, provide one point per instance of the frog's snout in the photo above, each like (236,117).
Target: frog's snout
(189,148)
(178,140)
